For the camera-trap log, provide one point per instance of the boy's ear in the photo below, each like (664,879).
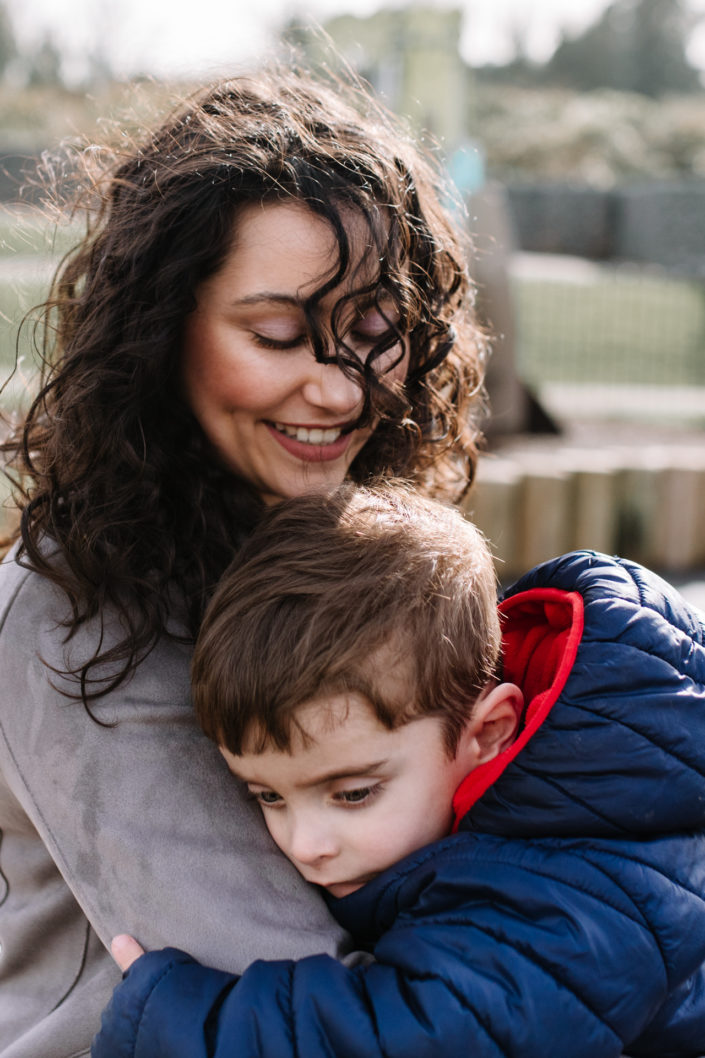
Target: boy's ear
(493,725)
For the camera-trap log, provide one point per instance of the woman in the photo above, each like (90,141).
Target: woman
(270,298)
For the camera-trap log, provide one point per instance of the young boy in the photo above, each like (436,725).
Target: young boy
(349,669)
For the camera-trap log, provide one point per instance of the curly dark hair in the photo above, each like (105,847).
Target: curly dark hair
(113,466)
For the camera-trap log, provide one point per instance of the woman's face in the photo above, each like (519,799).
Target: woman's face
(273,414)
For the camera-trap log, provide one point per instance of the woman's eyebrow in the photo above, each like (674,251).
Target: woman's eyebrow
(270,295)
(361,304)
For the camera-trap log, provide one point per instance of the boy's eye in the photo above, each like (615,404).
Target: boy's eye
(356,797)
(266,797)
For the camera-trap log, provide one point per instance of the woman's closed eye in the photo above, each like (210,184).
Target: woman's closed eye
(370,339)
(368,328)
(354,338)
(266,341)
(376,323)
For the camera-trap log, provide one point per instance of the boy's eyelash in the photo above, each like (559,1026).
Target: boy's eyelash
(368,791)
(260,794)
(343,797)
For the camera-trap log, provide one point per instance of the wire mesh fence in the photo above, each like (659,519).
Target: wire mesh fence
(583,322)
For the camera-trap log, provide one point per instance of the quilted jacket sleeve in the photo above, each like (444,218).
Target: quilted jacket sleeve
(545,950)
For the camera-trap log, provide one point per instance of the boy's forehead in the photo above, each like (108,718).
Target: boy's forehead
(336,734)
(318,721)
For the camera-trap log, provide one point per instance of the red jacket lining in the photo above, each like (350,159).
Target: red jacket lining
(541,632)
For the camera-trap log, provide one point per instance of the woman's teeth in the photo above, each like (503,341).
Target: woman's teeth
(307,436)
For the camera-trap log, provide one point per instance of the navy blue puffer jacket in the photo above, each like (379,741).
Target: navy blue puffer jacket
(565,917)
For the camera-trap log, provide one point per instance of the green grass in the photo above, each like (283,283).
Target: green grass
(624,327)
(8,510)
(17,296)
(27,232)
(30,248)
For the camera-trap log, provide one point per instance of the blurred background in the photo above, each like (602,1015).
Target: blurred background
(574,131)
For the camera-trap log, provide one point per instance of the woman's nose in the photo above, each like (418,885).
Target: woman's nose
(328,388)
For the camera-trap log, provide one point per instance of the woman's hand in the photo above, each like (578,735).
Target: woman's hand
(125,950)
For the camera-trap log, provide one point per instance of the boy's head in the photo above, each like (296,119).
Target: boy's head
(347,667)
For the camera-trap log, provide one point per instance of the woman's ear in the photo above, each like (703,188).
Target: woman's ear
(493,725)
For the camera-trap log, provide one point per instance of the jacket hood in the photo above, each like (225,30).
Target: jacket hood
(611,660)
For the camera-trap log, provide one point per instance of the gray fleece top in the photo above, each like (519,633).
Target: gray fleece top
(136,827)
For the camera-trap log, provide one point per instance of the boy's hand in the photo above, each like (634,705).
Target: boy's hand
(125,950)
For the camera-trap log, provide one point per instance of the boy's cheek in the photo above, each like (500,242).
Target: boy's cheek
(276,830)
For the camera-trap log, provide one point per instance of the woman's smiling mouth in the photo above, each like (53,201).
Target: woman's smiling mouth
(312,435)
(312,444)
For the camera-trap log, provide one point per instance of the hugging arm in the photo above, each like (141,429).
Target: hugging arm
(540,950)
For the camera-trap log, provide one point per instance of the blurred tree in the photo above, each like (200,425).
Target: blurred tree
(43,66)
(8,47)
(636,46)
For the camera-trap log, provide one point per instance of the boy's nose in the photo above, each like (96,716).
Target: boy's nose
(311,842)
